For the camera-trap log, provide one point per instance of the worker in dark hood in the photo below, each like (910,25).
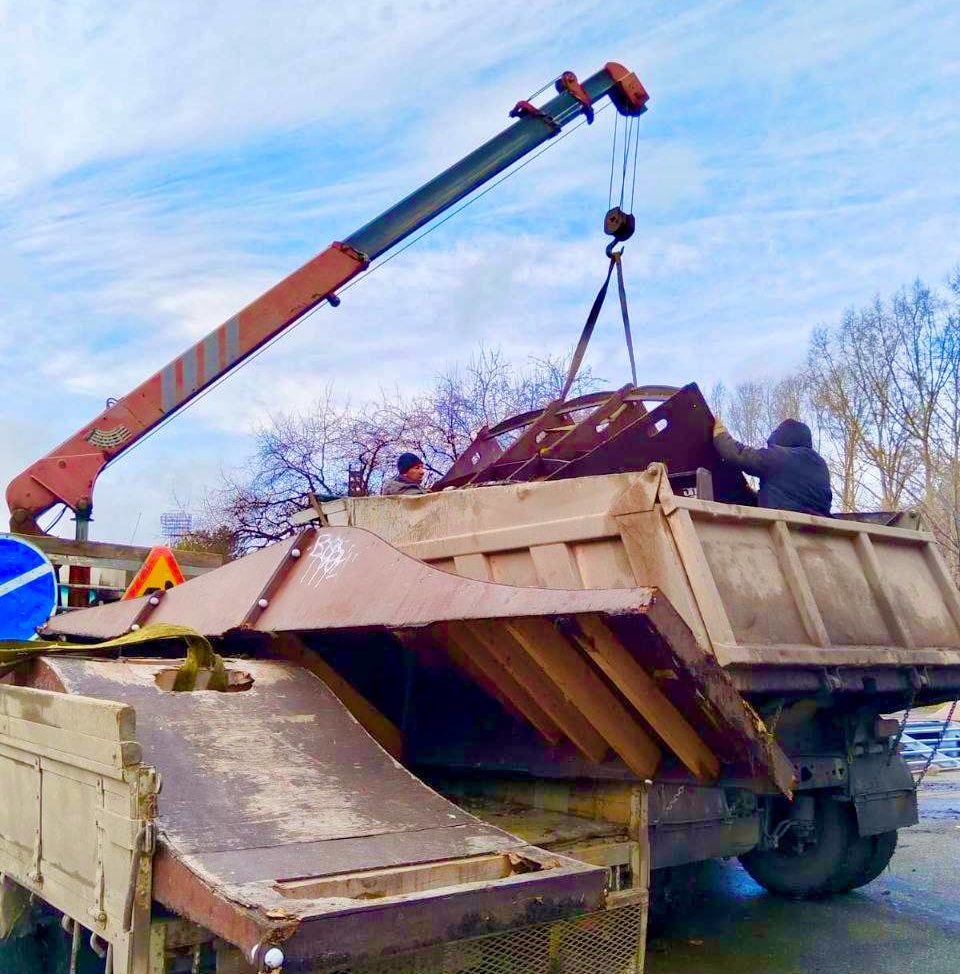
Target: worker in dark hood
(793,476)
(409,478)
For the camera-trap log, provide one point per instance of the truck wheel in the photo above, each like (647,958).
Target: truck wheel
(803,867)
(867,858)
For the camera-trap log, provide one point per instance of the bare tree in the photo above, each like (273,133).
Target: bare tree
(787,398)
(752,409)
(220,539)
(852,370)
(933,329)
(883,384)
(748,412)
(719,400)
(443,421)
(840,407)
(314,452)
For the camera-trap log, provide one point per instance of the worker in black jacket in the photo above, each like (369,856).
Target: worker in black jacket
(793,476)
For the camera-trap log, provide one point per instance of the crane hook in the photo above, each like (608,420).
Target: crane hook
(618,225)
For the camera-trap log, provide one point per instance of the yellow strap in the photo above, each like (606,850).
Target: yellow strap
(200,654)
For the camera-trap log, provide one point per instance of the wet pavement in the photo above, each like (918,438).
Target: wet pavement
(906,921)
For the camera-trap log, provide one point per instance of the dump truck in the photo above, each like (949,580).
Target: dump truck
(459,731)
(304,843)
(820,625)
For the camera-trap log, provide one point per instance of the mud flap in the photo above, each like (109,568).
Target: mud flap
(14,910)
(883,794)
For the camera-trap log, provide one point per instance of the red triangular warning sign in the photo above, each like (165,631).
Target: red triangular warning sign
(160,571)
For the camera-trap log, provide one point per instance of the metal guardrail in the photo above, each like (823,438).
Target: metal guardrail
(919,740)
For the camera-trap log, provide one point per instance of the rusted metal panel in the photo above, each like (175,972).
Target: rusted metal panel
(703,692)
(340,578)
(602,433)
(677,433)
(279,782)
(346,579)
(702,702)
(370,930)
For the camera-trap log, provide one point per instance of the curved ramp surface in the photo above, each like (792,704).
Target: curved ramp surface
(283,821)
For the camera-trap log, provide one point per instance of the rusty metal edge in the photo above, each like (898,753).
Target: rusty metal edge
(370,931)
(377,930)
(178,888)
(275,582)
(722,693)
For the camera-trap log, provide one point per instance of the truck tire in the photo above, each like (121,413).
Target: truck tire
(867,858)
(813,869)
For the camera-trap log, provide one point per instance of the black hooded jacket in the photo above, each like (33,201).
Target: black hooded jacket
(793,476)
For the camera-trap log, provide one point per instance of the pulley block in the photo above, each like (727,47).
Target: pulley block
(619,225)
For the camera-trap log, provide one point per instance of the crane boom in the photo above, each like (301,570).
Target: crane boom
(68,473)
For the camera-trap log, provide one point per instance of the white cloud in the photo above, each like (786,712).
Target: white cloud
(164,165)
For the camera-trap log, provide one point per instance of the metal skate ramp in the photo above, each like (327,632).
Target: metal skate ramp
(282,821)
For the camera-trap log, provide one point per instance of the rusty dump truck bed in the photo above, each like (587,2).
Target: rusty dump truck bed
(761,589)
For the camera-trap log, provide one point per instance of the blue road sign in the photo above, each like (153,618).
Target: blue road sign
(28,588)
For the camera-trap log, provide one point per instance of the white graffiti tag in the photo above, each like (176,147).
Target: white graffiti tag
(328,554)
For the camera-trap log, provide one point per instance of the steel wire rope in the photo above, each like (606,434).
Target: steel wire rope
(613,159)
(948,720)
(540,91)
(357,280)
(454,212)
(628,133)
(56,520)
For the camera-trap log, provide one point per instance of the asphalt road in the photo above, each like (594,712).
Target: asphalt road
(905,922)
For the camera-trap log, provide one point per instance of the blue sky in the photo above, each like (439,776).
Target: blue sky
(164,164)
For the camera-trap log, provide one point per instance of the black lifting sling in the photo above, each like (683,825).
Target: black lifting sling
(620,226)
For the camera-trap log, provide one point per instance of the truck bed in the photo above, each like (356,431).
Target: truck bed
(760,588)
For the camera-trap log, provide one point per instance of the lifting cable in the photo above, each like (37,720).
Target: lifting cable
(620,225)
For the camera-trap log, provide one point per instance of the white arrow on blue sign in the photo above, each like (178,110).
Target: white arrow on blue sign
(28,588)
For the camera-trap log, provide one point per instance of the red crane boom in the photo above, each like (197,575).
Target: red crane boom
(68,473)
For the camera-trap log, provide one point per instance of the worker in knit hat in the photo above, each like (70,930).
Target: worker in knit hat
(409,478)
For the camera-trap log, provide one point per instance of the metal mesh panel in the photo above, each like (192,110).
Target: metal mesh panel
(606,942)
